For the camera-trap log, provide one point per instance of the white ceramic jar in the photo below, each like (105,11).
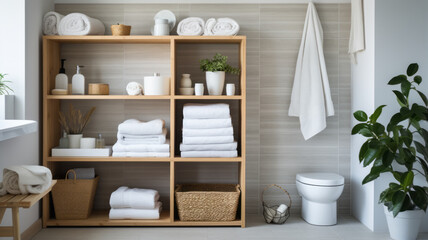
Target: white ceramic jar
(156,85)
(161,27)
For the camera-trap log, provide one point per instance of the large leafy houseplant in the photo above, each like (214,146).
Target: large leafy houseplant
(399,147)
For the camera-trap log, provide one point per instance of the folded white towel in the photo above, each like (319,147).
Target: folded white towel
(208,132)
(82,173)
(138,198)
(209,147)
(119,147)
(26,179)
(134,88)
(129,139)
(137,127)
(130,213)
(206,111)
(80,24)
(51,22)
(191,26)
(207,140)
(193,154)
(207,123)
(140,154)
(221,27)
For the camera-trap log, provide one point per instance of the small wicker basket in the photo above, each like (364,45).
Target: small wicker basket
(74,198)
(120,30)
(207,202)
(270,212)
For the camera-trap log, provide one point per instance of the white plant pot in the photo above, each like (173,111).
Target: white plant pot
(215,82)
(405,226)
(74,140)
(7,107)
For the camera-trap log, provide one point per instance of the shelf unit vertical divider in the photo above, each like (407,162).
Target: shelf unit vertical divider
(242,61)
(172,130)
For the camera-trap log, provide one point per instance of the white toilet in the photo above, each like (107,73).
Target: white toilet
(319,192)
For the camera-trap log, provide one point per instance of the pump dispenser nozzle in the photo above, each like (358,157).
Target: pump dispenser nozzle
(62,69)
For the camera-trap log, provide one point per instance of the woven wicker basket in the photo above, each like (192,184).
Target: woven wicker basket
(74,198)
(270,212)
(207,202)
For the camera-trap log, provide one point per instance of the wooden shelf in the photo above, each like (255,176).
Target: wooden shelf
(107,159)
(52,47)
(105,97)
(134,39)
(140,159)
(207,97)
(100,218)
(142,97)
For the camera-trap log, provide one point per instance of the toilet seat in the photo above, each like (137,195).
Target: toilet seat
(321,179)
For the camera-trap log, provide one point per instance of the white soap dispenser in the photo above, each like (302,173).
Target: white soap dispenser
(78,82)
(61,79)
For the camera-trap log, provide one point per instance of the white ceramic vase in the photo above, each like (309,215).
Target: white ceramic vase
(405,226)
(7,107)
(215,82)
(74,140)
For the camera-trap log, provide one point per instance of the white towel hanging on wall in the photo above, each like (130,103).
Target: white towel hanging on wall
(356,38)
(311,98)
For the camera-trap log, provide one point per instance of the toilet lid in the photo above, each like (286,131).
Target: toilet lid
(320,179)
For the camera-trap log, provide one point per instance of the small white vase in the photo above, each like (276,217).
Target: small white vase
(215,82)
(405,226)
(74,140)
(230,89)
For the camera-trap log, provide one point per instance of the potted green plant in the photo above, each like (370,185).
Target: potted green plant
(400,149)
(6,99)
(74,122)
(215,70)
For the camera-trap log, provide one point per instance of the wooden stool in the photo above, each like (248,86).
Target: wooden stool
(15,202)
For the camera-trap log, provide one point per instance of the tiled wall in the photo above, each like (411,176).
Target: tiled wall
(276,150)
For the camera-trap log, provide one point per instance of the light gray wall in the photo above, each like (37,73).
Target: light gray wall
(276,150)
(363,93)
(21,58)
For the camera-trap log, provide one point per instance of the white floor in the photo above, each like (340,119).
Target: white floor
(294,228)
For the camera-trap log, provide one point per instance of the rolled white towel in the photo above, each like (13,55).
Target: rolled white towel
(137,198)
(220,154)
(26,179)
(137,127)
(206,111)
(130,213)
(208,132)
(207,123)
(209,147)
(51,22)
(80,24)
(221,27)
(119,147)
(282,208)
(134,89)
(191,26)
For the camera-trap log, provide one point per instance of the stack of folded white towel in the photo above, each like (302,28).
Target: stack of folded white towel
(141,139)
(207,131)
(135,203)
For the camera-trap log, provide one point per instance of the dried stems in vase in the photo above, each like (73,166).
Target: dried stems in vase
(73,121)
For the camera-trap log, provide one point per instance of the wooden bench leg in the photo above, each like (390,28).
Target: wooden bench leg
(2,211)
(15,220)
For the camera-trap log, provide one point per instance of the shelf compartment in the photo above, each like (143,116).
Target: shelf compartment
(100,218)
(106,97)
(107,159)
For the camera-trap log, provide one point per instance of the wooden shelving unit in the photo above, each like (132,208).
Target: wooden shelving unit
(52,131)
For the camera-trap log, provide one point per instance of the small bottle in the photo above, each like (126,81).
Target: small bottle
(63,142)
(61,79)
(100,142)
(78,82)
